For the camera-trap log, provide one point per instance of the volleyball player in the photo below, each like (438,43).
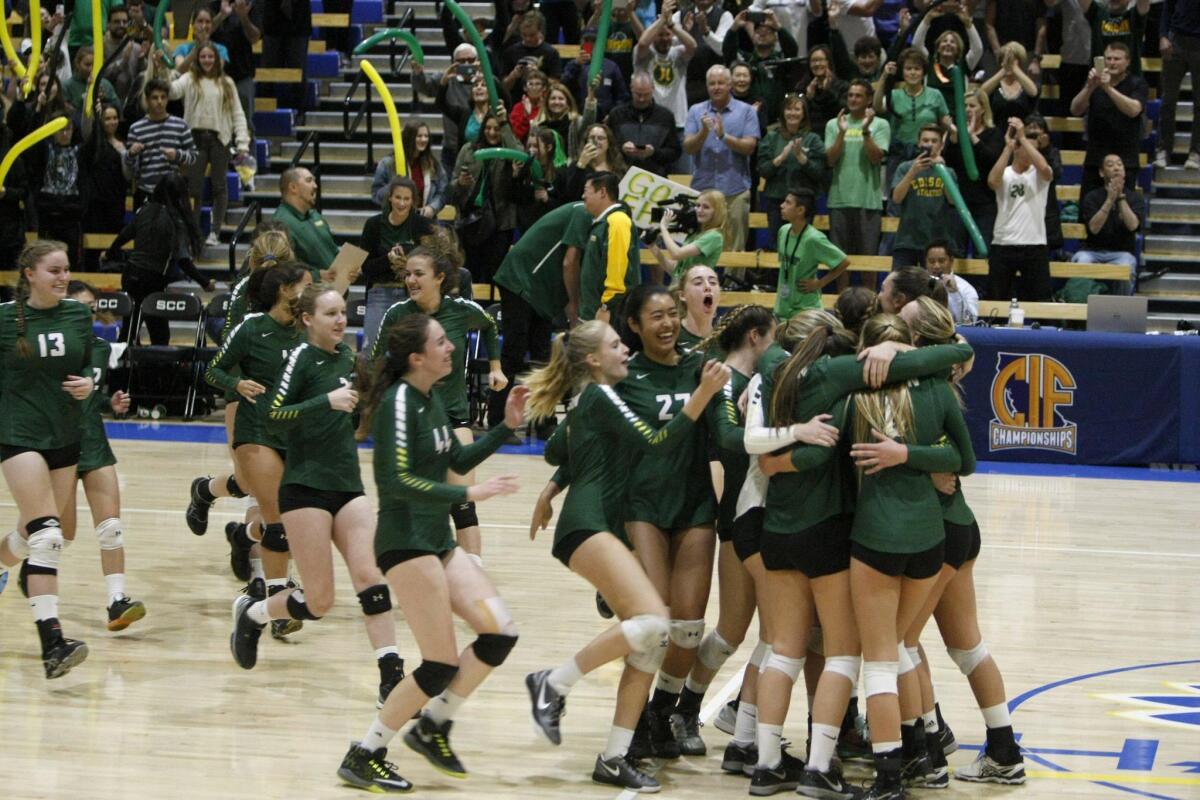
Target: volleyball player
(431,578)
(902,286)
(46,345)
(256,350)
(602,433)
(430,280)
(700,293)
(321,499)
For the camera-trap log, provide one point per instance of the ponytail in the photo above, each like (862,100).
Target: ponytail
(568,371)
(888,410)
(813,334)
(732,328)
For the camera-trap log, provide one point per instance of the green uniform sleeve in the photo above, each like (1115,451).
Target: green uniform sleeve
(956,427)
(464,458)
(623,423)
(556,452)
(810,456)
(235,312)
(287,409)
(845,373)
(378,346)
(233,350)
(724,425)
(562,476)
(397,430)
(941,457)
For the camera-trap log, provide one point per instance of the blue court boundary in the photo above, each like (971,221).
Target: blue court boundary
(204,433)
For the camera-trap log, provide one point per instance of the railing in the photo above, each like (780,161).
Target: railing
(253,210)
(349,128)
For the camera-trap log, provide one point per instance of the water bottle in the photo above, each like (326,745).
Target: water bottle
(1016,315)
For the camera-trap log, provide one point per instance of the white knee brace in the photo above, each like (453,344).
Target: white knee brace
(45,546)
(816,640)
(879,677)
(846,666)
(905,662)
(687,633)
(17,545)
(759,656)
(714,651)
(914,655)
(968,660)
(109,534)
(647,636)
(792,667)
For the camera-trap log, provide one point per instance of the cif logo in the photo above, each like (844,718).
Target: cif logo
(1029,394)
(170,305)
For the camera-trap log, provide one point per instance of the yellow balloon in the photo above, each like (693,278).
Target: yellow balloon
(97,57)
(35,36)
(10,52)
(47,130)
(393,118)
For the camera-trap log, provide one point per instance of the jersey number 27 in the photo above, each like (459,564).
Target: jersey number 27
(667,400)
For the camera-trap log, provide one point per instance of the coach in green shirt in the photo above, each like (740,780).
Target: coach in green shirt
(312,241)
(802,250)
(611,265)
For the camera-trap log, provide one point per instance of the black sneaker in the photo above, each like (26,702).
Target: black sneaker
(239,557)
(986,769)
(602,607)
(915,768)
(197,510)
(63,657)
(371,771)
(391,672)
(884,791)
(433,741)
(938,776)
(828,785)
(625,773)
(256,589)
(783,778)
(686,728)
(662,738)
(853,745)
(124,612)
(547,705)
(945,738)
(243,642)
(739,759)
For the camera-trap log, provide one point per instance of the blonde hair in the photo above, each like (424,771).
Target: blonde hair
(568,371)
(810,335)
(720,212)
(888,410)
(1018,51)
(958,41)
(30,257)
(933,324)
(543,114)
(980,96)
(270,248)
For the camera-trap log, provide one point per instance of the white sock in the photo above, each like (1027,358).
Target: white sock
(563,677)
(770,738)
(822,746)
(747,723)
(45,606)
(256,570)
(273,582)
(930,718)
(258,612)
(116,586)
(884,747)
(618,742)
(378,735)
(997,716)
(391,649)
(695,686)
(443,707)
(669,683)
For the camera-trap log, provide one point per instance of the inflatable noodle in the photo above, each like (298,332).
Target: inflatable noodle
(393,118)
(393,33)
(597,64)
(97,57)
(10,52)
(468,27)
(160,17)
(956,198)
(47,130)
(960,119)
(35,36)
(492,153)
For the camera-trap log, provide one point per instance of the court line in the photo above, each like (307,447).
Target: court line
(1161,780)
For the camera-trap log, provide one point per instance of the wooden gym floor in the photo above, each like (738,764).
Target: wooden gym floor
(1087,593)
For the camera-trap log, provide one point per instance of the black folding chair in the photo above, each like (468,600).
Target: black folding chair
(175,369)
(478,368)
(356,316)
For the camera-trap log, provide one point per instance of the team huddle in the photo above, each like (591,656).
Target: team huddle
(816,458)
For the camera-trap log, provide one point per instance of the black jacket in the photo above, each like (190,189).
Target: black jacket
(654,126)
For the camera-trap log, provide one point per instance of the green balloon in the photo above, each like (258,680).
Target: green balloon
(960,119)
(961,207)
(511,154)
(468,26)
(601,41)
(414,46)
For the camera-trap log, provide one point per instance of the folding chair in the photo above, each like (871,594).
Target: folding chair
(177,368)
(356,315)
(478,367)
(117,305)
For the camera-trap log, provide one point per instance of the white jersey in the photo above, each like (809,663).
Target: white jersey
(669,74)
(1021,208)
(758,439)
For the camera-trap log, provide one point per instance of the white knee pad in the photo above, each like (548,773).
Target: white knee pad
(645,632)
(792,667)
(968,660)
(17,545)
(759,656)
(45,546)
(846,666)
(714,651)
(687,633)
(109,534)
(906,663)
(879,677)
(914,655)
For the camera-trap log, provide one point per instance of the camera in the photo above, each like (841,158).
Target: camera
(685,220)
(465,71)
(756,17)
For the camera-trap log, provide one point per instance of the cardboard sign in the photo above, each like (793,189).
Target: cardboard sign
(643,191)
(347,266)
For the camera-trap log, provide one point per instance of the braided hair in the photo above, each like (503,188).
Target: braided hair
(734,325)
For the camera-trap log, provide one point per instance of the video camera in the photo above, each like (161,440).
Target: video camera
(685,220)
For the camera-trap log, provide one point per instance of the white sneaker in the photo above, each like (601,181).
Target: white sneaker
(986,770)
(213,240)
(1160,158)
(1193,161)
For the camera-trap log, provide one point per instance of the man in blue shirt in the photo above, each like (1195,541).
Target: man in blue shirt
(721,135)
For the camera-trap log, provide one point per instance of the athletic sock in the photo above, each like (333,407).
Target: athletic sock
(770,745)
(564,677)
(619,740)
(389,650)
(746,725)
(443,707)
(822,746)
(996,716)
(276,585)
(378,735)
(45,613)
(666,693)
(116,586)
(690,699)
(205,492)
(258,612)
(242,536)
(256,569)
(930,720)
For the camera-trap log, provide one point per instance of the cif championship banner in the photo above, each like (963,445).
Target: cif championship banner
(1073,398)
(643,191)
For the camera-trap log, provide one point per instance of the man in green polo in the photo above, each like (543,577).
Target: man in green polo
(312,241)
(611,264)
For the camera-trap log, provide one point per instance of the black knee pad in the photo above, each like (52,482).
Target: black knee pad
(231,486)
(433,677)
(464,515)
(375,599)
(297,608)
(28,569)
(493,648)
(274,538)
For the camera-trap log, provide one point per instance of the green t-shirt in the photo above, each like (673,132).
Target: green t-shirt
(312,241)
(533,267)
(710,242)
(80,31)
(911,113)
(926,213)
(799,259)
(856,181)
(1127,26)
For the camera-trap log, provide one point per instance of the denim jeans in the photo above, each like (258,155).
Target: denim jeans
(1110,257)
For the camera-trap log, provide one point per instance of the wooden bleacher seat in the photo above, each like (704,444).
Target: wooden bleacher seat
(323,20)
(106,281)
(279,75)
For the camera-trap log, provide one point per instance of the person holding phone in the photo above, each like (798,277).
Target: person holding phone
(1113,101)
(1021,180)
(918,191)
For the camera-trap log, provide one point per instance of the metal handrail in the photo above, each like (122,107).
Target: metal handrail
(349,128)
(255,210)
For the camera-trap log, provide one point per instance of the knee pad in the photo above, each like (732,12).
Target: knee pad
(968,660)
(846,666)
(647,635)
(904,660)
(714,651)
(493,648)
(759,656)
(17,545)
(274,538)
(879,677)
(464,515)
(914,655)
(816,640)
(375,599)
(502,621)
(297,608)
(109,534)
(792,667)
(433,677)
(687,633)
(231,486)
(45,543)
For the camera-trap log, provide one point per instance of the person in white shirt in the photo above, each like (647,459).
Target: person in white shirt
(664,51)
(1019,238)
(794,15)
(707,23)
(964,300)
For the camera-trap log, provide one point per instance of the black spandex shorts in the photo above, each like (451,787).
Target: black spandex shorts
(281,453)
(917,566)
(565,547)
(962,543)
(391,558)
(58,458)
(823,549)
(458,422)
(747,533)
(293,497)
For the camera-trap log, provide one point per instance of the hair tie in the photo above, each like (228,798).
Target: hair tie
(269,259)
(566,338)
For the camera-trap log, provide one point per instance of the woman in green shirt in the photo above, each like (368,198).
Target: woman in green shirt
(704,246)
(791,156)
(909,106)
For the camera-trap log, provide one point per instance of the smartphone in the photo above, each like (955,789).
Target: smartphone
(756,17)
(1098,63)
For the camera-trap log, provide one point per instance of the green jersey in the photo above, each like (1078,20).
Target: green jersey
(726,427)
(925,214)
(602,433)
(457,316)
(800,256)
(321,450)
(768,363)
(258,347)
(94,448)
(611,264)
(657,392)
(235,312)
(414,449)
(898,509)
(35,412)
(711,244)
(796,501)
(533,267)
